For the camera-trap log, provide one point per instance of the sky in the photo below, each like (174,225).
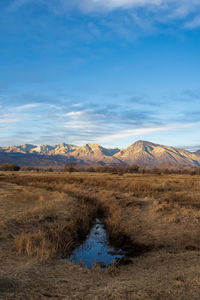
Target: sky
(100,71)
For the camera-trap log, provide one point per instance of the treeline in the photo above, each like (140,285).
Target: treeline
(119,169)
(9,167)
(13,167)
(125,169)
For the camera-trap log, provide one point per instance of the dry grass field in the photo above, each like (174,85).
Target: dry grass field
(44,216)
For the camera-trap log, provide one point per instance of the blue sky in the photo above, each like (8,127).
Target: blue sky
(100,71)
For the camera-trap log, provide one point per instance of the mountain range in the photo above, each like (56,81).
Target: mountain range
(142,153)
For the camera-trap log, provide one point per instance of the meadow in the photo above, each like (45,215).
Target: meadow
(44,216)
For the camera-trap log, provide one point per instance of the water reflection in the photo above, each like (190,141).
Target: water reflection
(96,249)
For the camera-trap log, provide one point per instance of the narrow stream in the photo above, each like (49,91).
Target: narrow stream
(96,249)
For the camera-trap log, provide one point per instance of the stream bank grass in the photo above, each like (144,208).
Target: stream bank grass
(57,234)
(44,216)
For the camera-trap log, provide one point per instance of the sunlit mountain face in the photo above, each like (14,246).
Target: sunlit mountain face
(142,153)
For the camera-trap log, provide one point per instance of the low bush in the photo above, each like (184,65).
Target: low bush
(9,167)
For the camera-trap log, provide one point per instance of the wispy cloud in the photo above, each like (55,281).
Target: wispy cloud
(194,23)
(180,8)
(8,118)
(143,13)
(26,107)
(75,114)
(97,122)
(146,130)
(192,148)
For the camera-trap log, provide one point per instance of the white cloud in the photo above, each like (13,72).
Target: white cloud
(16,4)
(175,7)
(85,120)
(146,130)
(193,23)
(8,118)
(26,106)
(75,114)
(143,14)
(114,4)
(77,105)
(84,126)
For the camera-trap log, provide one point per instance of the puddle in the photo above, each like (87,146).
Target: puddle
(96,249)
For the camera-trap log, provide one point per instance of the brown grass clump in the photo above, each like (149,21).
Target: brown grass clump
(47,242)
(148,209)
(57,236)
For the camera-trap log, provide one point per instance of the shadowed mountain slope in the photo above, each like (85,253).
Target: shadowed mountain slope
(197,152)
(144,154)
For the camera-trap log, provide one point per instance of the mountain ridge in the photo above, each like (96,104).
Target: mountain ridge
(197,152)
(143,153)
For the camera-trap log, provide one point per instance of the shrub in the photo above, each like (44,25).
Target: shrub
(9,167)
(70,167)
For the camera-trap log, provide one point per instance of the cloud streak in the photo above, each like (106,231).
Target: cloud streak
(50,124)
(146,130)
(194,23)
(178,8)
(163,11)
(128,19)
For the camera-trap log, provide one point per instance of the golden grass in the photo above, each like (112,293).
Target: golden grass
(144,207)
(47,215)
(57,234)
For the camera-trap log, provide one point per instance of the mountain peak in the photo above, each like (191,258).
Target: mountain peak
(143,143)
(141,146)
(147,154)
(143,153)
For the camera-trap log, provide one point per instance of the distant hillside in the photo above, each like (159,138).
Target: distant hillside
(144,154)
(197,152)
(34,159)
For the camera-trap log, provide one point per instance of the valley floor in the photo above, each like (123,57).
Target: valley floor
(42,217)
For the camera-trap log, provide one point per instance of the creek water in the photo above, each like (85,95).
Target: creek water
(96,249)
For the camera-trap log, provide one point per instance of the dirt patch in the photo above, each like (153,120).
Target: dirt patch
(8,285)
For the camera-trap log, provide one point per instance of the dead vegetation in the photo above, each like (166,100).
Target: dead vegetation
(45,216)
